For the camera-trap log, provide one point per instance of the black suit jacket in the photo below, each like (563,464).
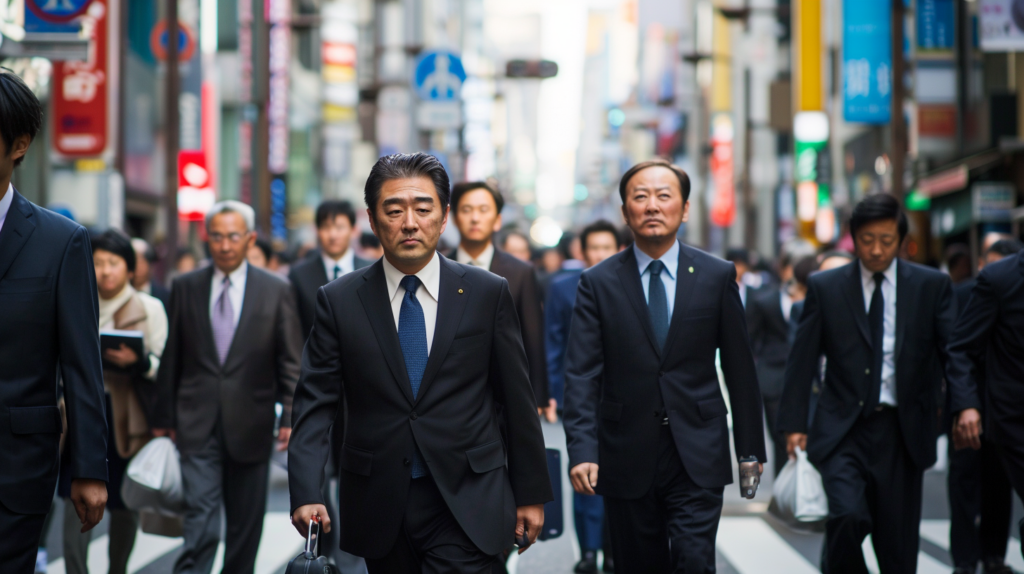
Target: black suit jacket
(618,382)
(49,311)
(990,334)
(261,368)
(769,339)
(834,323)
(306,278)
(160,292)
(476,374)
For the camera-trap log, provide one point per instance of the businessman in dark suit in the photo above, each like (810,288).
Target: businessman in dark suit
(476,209)
(335,228)
(882,325)
(989,337)
(48,318)
(642,399)
(232,351)
(427,355)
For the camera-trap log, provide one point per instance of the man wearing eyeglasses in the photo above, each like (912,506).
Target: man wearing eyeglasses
(232,352)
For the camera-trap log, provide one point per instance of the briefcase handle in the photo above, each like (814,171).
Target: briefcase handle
(311,546)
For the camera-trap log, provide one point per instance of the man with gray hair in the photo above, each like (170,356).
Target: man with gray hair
(232,351)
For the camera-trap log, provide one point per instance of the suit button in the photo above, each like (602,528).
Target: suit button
(413,415)
(861,403)
(406,462)
(867,371)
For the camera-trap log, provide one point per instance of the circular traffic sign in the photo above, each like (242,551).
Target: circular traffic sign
(158,41)
(58,11)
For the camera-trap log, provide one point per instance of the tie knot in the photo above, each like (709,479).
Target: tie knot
(410,283)
(656,267)
(879,277)
(226,282)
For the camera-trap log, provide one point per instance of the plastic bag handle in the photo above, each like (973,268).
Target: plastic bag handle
(310,545)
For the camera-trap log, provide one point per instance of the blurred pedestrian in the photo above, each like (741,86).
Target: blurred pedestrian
(48,318)
(185,261)
(370,246)
(882,325)
(142,279)
(517,245)
(958,263)
(985,373)
(647,326)
(740,258)
(128,381)
(259,254)
(232,352)
(600,240)
(421,351)
(476,209)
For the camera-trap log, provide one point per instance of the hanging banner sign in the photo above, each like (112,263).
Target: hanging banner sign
(867,61)
(723,202)
(82,92)
(935,29)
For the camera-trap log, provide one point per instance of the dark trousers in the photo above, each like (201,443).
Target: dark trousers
(1012,455)
(672,528)
(431,541)
(771,413)
(873,487)
(330,542)
(19,540)
(980,503)
(212,479)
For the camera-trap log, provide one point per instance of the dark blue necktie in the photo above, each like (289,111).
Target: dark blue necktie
(412,336)
(876,318)
(657,303)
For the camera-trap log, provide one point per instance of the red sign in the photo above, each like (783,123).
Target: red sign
(195,186)
(158,41)
(723,203)
(936,120)
(81,92)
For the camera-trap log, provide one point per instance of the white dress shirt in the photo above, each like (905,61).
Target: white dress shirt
(668,277)
(888,394)
(237,292)
(787,304)
(427,294)
(484,260)
(346,262)
(5,205)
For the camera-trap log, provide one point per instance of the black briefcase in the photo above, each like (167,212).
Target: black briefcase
(308,562)
(554,521)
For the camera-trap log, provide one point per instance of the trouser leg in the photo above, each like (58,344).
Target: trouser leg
(1012,455)
(202,479)
(245,503)
(76,542)
(588,515)
(894,496)
(124,524)
(19,540)
(845,480)
(964,488)
(691,512)
(771,413)
(996,503)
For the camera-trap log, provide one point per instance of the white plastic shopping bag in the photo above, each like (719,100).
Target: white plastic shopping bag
(798,492)
(153,479)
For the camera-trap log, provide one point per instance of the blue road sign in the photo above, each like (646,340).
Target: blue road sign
(57,11)
(867,61)
(439,75)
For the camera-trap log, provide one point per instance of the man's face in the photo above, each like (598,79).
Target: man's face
(654,207)
(335,235)
(141,269)
(600,246)
(408,220)
(877,243)
(477,216)
(518,247)
(229,240)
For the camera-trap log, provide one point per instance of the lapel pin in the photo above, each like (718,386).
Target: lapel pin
(691,269)
(460,291)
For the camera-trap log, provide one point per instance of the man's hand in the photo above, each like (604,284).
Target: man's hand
(123,357)
(793,440)
(584,477)
(165,432)
(303,514)
(529,519)
(89,497)
(967,430)
(283,435)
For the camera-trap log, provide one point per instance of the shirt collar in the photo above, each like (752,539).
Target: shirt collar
(430,277)
(5,203)
(346,261)
(670,259)
(237,276)
(868,277)
(485,257)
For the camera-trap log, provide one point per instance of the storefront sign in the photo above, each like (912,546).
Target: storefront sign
(195,186)
(867,61)
(723,202)
(1001,25)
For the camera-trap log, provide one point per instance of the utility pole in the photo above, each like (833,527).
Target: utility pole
(897,155)
(172,89)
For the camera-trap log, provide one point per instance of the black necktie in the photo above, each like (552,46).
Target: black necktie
(337,271)
(876,318)
(657,303)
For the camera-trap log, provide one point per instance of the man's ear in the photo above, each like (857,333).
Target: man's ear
(497,224)
(20,146)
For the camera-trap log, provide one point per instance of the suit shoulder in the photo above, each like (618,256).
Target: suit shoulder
(831,277)
(607,267)
(511,265)
(347,281)
(193,278)
(1002,270)
(708,261)
(927,273)
(478,275)
(55,226)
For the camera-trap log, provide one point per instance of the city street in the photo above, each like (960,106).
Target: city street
(749,539)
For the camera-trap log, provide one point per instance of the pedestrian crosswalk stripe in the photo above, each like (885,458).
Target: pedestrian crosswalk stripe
(148,547)
(937,532)
(749,544)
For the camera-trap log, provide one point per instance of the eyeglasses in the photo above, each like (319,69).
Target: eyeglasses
(232,237)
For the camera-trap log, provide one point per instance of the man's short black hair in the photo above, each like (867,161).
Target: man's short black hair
(684,180)
(406,166)
(369,241)
(20,111)
(803,268)
(510,233)
(328,210)
(738,255)
(1006,247)
(116,242)
(565,245)
(265,247)
(460,189)
(878,207)
(957,253)
(599,226)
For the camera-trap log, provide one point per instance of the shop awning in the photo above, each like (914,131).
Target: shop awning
(956,176)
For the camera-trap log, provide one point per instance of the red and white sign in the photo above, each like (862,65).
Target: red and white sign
(195,186)
(723,203)
(83,91)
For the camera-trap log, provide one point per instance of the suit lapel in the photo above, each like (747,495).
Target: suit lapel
(319,274)
(373,294)
(778,317)
(18,227)
(453,295)
(904,288)
(685,281)
(629,275)
(251,298)
(203,300)
(855,296)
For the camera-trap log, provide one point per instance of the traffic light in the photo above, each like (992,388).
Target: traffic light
(531,69)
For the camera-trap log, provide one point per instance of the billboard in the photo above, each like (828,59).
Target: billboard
(867,61)
(1001,25)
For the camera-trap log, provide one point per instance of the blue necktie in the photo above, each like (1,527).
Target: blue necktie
(657,303)
(412,336)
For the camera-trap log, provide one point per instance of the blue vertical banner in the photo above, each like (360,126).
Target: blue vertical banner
(867,61)
(935,32)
